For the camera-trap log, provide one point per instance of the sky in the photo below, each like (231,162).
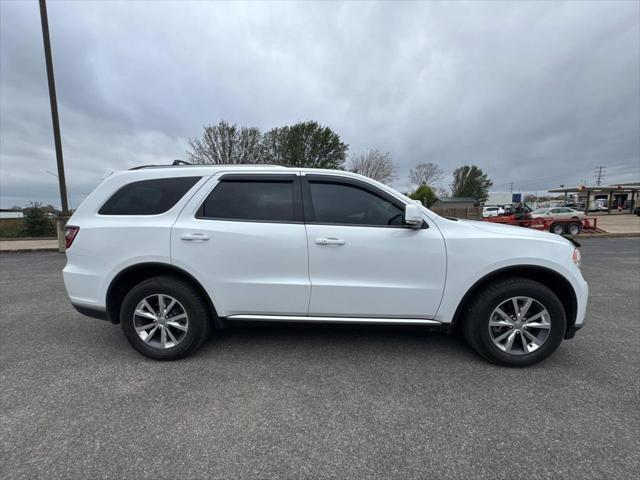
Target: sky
(534,93)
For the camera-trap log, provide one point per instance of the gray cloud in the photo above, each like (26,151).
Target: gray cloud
(535,93)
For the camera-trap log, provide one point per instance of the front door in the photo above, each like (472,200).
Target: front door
(363,262)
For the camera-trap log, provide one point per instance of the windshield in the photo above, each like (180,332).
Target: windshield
(540,210)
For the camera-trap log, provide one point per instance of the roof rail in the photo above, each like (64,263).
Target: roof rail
(182,163)
(174,164)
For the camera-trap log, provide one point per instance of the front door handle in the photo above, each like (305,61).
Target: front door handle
(330,241)
(198,237)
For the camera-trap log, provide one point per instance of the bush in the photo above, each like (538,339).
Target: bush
(11,227)
(425,194)
(37,223)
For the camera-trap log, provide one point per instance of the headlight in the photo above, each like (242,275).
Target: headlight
(577,257)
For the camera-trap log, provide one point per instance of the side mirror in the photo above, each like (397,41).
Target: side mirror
(413,216)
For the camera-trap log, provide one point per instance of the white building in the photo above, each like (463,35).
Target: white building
(11,215)
(499,198)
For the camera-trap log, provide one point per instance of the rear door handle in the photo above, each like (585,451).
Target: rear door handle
(330,241)
(198,237)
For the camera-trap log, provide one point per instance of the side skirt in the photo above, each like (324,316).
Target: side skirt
(293,318)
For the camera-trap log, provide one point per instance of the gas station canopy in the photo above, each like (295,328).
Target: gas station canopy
(601,190)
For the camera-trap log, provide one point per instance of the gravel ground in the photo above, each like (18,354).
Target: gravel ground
(340,402)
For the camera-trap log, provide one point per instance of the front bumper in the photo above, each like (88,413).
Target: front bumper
(581,289)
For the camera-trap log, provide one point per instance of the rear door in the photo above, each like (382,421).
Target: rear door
(243,237)
(363,262)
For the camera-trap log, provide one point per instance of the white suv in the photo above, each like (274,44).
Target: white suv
(172,252)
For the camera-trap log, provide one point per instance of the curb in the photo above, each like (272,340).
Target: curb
(22,239)
(29,250)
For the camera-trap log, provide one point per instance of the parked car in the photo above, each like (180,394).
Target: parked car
(173,252)
(492,211)
(560,213)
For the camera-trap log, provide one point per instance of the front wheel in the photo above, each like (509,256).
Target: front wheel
(165,318)
(515,322)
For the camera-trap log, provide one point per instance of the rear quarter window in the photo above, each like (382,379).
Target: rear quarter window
(148,197)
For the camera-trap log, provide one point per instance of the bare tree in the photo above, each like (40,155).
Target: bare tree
(426,174)
(374,164)
(441,192)
(225,143)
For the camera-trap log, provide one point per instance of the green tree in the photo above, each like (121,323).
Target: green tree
(425,194)
(225,143)
(36,221)
(471,181)
(305,144)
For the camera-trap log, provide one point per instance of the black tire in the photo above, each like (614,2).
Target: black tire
(557,228)
(196,308)
(475,321)
(574,228)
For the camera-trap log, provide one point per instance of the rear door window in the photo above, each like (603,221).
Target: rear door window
(148,197)
(255,200)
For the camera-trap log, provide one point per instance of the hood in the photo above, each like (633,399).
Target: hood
(516,231)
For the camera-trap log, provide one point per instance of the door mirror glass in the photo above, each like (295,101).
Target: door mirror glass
(413,216)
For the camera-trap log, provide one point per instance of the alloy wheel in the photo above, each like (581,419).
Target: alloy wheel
(519,325)
(160,321)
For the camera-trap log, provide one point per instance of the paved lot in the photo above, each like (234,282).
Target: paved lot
(618,223)
(78,402)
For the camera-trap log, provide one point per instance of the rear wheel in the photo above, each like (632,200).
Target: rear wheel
(515,322)
(557,228)
(165,318)
(574,228)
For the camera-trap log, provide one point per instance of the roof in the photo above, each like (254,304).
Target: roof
(187,170)
(618,187)
(118,179)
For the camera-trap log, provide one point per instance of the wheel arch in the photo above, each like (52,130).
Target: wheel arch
(134,274)
(546,276)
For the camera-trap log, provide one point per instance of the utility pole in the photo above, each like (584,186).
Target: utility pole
(56,175)
(511,187)
(600,171)
(54,106)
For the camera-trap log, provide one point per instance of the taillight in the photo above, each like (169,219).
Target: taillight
(70,233)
